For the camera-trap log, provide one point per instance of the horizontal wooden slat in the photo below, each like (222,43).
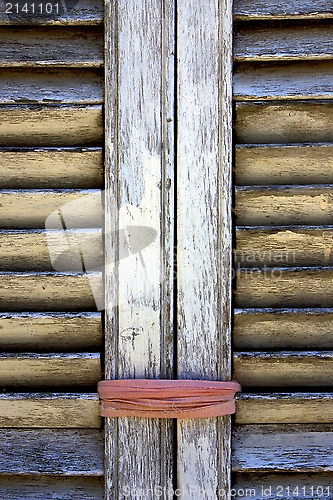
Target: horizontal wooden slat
(284,205)
(283,448)
(30,250)
(84,12)
(49,291)
(51,452)
(49,370)
(284,246)
(284,123)
(57,488)
(282,9)
(56,410)
(284,164)
(36,125)
(57,168)
(286,41)
(36,332)
(277,287)
(282,486)
(58,86)
(31,208)
(54,46)
(283,329)
(283,369)
(284,408)
(307,80)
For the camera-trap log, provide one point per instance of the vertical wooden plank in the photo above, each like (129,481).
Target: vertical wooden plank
(204,234)
(139,192)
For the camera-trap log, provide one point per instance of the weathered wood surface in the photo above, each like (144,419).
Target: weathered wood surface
(57,488)
(283,329)
(50,332)
(139,164)
(285,408)
(36,125)
(291,287)
(284,123)
(51,86)
(284,246)
(49,370)
(23,250)
(284,369)
(30,208)
(49,291)
(284,164)
(85,12)
(283,205)
(287,486)
(51,452)
(283,448)
(282,9)
(204,232)
(287,41)
(54,46)
(56,410)
(57,168)
(301,80)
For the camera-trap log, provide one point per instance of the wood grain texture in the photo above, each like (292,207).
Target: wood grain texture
(55,168)
(285,408)
(55,46)
(49,370)
(139,156)
(49,291)
(284,369)
(284,123)
(51,452)
(57,488)
(204,232)
(284,164)
(283,205)
(283,41)
(84,12)
(267,81)
(282,9)
(53,411)
(279,287)
(50,332)
(283,448)
(36,125)
(283,329)
(31,208)
(284,246)
(51,86)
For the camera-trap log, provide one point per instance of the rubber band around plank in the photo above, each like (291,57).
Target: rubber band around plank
(167,398)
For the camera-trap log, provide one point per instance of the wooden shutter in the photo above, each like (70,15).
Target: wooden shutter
(283,215)
(51,338)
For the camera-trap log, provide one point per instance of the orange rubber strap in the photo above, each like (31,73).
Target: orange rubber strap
(167,398)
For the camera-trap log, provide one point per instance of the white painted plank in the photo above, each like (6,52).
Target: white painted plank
(204,233)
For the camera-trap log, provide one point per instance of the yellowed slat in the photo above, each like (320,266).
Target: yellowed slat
(41,488)
(284,408)
(56,410)
(49,291)
(51,126)
(283,329)
(54,46)
(34,332)
(49,370)
(284,164)
(282,9)
(284,369)
(284,205)
(277,287)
